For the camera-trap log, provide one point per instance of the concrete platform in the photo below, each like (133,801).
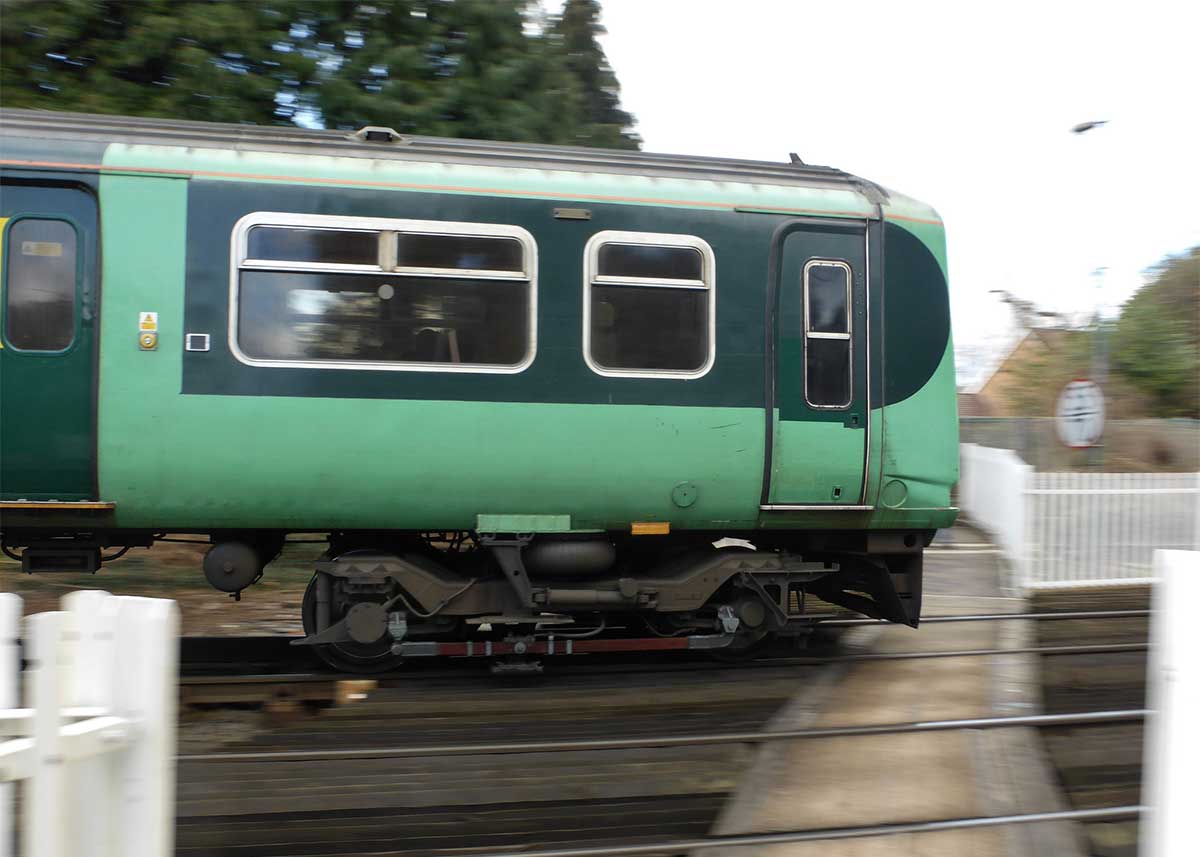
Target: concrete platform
(900,778)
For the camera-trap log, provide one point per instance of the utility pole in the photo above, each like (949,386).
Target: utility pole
(1099,359)
(1099,337)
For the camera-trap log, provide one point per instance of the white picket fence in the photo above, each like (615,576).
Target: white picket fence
(93,747)
(1063,529)
(991,492)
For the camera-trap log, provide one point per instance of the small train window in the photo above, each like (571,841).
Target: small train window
(333,246)
(649,305)
(39,293)
(458,252)
(374,293)
(827,342)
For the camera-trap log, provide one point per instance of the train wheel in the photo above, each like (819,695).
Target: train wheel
(350,657)
(742,650)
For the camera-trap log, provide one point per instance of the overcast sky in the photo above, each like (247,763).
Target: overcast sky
(961,106)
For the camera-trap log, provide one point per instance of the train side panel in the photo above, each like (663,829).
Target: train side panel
(920,452)
(192,461)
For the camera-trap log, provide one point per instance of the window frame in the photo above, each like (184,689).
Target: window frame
(7,255)
(708,283)
(848,336)
(385,226)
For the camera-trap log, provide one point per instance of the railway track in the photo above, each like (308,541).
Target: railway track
(611,756)
(1097,764)
(443,803)
(264,669)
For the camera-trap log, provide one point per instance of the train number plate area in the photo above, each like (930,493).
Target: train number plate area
(560,646)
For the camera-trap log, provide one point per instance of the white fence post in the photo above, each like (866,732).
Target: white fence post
(147,633)
(96,744)
(1172,745)
(92,787)
(10,674)
(42,830)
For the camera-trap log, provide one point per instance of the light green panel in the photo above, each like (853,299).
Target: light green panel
(523,523)
(913,211)
(921,440)
(874,457)
(811,458)
(493,181)
(295,462)
(143,221)
(921,446)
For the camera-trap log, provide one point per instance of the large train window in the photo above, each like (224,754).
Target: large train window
(39,291)
(649,305)
(827,345)
(375,293)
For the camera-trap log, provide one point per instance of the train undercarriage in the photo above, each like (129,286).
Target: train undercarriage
(377,599)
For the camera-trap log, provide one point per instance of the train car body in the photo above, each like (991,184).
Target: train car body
(467,362)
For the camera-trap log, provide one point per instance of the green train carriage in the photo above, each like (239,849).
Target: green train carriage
(520,387)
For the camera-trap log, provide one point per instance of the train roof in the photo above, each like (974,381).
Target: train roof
(76,135)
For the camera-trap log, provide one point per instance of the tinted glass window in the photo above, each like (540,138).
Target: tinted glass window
(827,287)
(313,245)
(649,328)
(349,317)
(649,261)
(39,311)
(828,368)
(462,252)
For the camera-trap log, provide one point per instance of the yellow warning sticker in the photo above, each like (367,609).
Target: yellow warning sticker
(148,321)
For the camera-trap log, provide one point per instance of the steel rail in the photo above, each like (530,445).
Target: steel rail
(1083,648)
(759,663)
(270,678)
(995,617)
(783,837)
(742,737)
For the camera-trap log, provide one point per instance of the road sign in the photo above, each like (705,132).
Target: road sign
(1079,415)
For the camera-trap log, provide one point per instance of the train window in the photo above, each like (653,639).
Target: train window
(649,305)
(647,261)
(39,293)
(398,294)
(827,342)
(336,246)
(458,252)
(297,315)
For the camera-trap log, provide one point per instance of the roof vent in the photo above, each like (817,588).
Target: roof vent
(377,134)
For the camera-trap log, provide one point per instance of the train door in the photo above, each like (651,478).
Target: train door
(818,424)
(48,335)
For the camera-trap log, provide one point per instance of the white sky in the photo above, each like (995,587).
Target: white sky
(961,106)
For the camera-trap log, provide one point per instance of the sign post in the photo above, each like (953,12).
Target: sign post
(1079,414)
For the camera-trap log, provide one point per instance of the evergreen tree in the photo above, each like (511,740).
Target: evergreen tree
(454,68)
(183,59)
(606,124)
